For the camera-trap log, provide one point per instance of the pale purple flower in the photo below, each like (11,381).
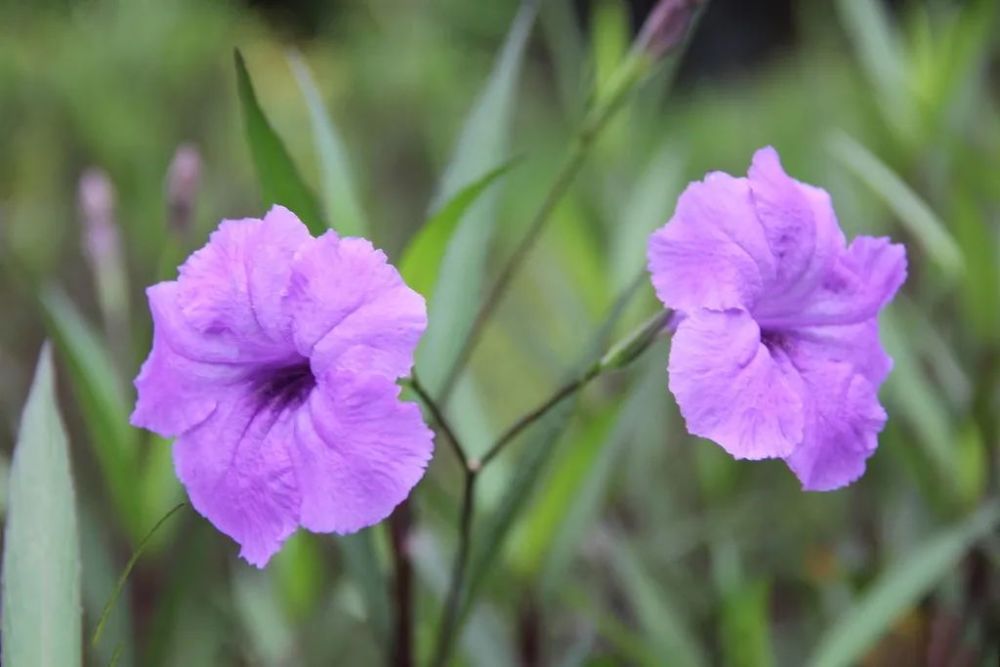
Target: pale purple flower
(776,354)
(274,365)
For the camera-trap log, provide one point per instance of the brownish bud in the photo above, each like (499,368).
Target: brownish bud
(183,179)
(666,27)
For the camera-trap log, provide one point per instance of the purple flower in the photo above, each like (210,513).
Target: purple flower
(274,365)
(776,354)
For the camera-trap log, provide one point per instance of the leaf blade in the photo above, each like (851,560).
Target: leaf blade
(280,180)
(899,588)
(41,562)
(339,194)
(481,145)
(424,253)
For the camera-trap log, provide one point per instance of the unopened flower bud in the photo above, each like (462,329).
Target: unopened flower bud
(666,27)
(96,199)
(183,179)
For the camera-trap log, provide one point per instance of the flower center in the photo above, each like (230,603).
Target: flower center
(285,386)
(773,340)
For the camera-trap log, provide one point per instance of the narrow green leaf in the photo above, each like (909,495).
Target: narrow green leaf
(41,560)
(882,58)
(902,586)
(340,199)
(102,401)
(746,635)
(913,213)
(364,568)
(481,146)
(280,181)
(422,258)
(490,535)
(665,627)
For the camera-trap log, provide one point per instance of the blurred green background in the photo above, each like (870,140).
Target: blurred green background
(633,542)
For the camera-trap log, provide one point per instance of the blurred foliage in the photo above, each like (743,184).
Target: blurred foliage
(633,543)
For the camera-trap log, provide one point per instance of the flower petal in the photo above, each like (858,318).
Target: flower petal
(351,309)
(731,389)
(175,392)
(843,421)
(801,230)
(861,281)
(713,252)
(231,289)
(359,452)
(239,475)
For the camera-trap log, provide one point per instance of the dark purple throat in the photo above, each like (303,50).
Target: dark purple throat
(284,386)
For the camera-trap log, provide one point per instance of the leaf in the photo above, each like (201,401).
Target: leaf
(663,625)
(41,560)
(340,199)
(280,181)
(422,258)
(364,568)
(481,145)
(883,60)
(914,214)
(490,535)
(902,586)
(102,402)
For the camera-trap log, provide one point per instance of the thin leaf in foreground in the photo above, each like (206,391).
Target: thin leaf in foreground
(41,560)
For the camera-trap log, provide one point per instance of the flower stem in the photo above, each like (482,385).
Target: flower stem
(440,419)
(620,354)
(631,72)
(453,603)
(635,344)
(399,534)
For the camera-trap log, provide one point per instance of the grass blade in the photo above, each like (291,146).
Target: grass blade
(340,199)
(102,401)
(481,145)
(913,213)
(280,181)
(423,255)
(41,560)
(900,588)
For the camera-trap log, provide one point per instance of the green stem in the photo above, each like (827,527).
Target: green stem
(631,72)
(453,603)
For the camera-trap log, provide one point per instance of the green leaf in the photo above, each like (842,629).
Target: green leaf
(364,568)
(481,146)
(913,213)
(280,181)
(663,624)
(422,258)
(340,199)
(881,55)
(102,402)
(41,560)
(902,586)
(745,629)
(489,536)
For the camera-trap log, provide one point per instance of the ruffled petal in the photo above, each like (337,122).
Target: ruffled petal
(351,309)
(730,387)
(843,420)
(801,231)
(239,475)
(713,252)
(358,453)
(860,282)
(176,392)
(230,290)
